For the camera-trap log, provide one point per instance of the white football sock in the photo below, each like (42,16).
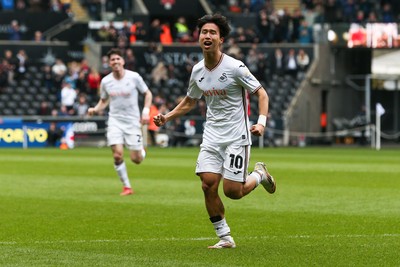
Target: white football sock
(221,228)
(123,174)
(143,153)
(257,176)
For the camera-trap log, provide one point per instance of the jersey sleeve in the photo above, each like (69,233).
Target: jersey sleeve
(246,79)
(140,84)
(103,91)
(193,90)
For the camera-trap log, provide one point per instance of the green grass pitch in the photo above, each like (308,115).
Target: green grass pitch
(333,207)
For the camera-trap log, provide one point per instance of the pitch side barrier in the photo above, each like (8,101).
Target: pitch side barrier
(32,131)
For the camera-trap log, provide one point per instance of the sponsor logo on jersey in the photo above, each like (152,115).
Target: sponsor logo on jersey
(215,92)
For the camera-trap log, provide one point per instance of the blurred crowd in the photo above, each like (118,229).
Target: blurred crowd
(75,85)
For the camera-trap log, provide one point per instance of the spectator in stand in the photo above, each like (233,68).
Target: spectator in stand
(387,13)
(54,135)
(305,33)
(263,26)
(333,11)
(303,60)
(234,49)
(152,127)
(65,5)
(159,74)
(261,66)
(290,63)
(138,32)
(181,29)
(245,7)
(59,70)
(81,83)
(166,35)
(349,9)
(155,31)
(284,21)
(372,17)
(61,112)
(84,66)
(72,74)
(130,59)
(93,80)
(122,42)
(22,64)
(81,106)
(125,30)
(251,60)
(68,97)
(10,65)
(113,33)
(103,34)
(3,76)
(44,109)
(93,7)
(297,17)
(234,6)
(48,79)
(14,31)
(38,37)
(277,27)
(360,17)
(277,64)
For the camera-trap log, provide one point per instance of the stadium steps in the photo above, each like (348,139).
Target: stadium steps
(80,13)
(289,4)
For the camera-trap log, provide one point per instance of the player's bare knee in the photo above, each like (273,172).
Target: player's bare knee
(137,160)
(233,194)
(117,158)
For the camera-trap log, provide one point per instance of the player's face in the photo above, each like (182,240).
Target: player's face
(116,62)
(209,38)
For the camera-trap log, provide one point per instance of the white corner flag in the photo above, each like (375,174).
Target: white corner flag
(379,111)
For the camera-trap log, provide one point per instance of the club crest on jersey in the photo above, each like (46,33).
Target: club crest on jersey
(223,78)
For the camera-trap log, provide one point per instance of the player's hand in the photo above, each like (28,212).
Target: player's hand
(257,130)
(145,119)
(159,120)
(91,111)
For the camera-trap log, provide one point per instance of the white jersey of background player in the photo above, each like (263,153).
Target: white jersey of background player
(225,150)
(120,89)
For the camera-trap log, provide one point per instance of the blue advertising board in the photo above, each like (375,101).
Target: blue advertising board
(16,133)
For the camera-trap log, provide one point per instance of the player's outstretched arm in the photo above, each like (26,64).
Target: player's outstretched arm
(186,105)
(101,105)
(263,100)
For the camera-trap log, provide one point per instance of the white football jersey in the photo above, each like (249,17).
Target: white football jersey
(123,96)
(224,89)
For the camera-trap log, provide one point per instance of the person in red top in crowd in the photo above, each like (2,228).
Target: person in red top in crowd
(152,127)
(166,35)
(93,80)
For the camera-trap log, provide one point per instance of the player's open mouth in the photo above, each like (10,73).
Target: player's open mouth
(207,43)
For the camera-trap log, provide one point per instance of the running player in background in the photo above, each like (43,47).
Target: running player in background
(225,149)
(120,89)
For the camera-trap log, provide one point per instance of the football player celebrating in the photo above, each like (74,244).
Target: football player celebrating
(120,89)
(225,150)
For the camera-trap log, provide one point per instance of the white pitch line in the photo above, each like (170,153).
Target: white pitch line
(196,239)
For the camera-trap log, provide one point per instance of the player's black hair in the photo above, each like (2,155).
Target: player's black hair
(218,20)
(114,51)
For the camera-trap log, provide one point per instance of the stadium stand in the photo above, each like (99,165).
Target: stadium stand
(79,27)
